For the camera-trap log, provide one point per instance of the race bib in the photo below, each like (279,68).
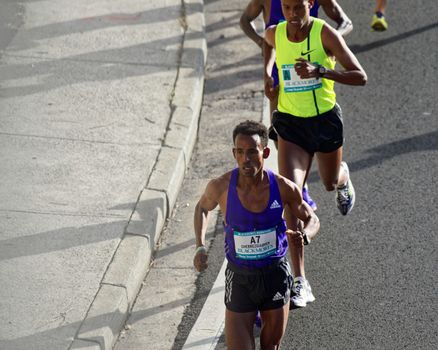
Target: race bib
(293,83)
(255,245)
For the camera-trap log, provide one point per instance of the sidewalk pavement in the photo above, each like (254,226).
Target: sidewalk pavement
(99,109)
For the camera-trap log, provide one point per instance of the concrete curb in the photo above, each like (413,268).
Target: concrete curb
(122,280)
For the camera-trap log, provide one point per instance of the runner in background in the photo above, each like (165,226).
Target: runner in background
(378,22)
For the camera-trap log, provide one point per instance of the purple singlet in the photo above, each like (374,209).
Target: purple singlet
(254,240)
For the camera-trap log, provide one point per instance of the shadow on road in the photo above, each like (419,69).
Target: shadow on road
(379,154)
(374,45)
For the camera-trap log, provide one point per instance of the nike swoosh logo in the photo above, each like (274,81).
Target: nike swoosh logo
(306,53)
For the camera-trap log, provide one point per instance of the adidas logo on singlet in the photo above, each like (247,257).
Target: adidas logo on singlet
(274,205)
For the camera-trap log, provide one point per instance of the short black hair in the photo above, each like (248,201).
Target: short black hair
(251,127)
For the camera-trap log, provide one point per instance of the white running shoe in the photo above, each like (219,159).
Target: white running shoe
(345,195)
(302,292)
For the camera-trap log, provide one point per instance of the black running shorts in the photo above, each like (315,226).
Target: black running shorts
(323,133)
(266,288)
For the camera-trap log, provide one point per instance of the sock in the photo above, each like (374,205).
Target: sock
(299,278)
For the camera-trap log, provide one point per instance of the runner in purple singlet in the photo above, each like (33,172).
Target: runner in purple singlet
(251,199)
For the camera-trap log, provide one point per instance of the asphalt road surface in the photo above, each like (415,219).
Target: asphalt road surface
(373,272)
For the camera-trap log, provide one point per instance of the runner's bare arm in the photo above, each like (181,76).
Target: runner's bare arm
(332,10)
(309,219)
(293,198)
(251,12)
(208,201)
(269,60)
(334,44)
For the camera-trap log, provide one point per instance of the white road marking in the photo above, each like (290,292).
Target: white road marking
(211,321)
(210,324)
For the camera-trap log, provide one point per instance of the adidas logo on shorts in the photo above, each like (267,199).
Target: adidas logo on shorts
(277,296)
(274,205)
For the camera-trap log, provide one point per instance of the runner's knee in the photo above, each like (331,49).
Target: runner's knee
(271,335)
(272,341)
(330,185)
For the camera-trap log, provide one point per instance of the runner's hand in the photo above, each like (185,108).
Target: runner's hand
(305,69)
(295,238)
(200,261)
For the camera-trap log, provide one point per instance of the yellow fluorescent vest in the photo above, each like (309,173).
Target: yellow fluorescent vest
(303,97)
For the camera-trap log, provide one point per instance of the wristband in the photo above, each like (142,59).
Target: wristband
(199,249)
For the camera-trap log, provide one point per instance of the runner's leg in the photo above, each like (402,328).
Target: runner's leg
(273,328)
(239,334)
(293,163)
(378,21)
(330,171)
(380,6)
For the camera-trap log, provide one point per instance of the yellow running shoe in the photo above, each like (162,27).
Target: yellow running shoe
(379,23)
